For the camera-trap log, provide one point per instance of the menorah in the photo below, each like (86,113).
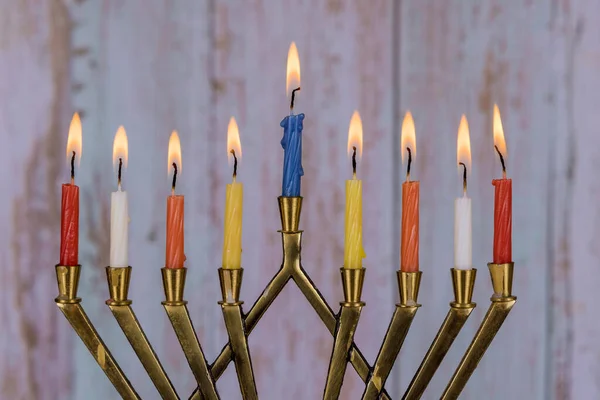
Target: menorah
(341,325)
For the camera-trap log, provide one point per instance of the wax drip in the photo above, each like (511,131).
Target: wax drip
(502,161)
(464,177)
(293,98)
(174,179)
(73,169)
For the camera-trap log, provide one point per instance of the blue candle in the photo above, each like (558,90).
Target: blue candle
(292,157)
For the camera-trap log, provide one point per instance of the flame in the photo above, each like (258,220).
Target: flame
(499,132)
(408,137)
(174,153)
(463,144)
(355,135)
(74,141)
(292,80)
(120,147)
(233,141)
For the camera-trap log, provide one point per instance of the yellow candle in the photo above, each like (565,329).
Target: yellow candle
(234,195)
(353,246)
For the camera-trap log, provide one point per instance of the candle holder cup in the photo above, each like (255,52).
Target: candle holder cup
(239,325)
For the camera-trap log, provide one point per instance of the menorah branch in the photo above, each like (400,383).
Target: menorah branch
(352,280)
(231,282)
(176,308)
(463,282)
(502,302)
(118,285)
(70,305)
(408,287)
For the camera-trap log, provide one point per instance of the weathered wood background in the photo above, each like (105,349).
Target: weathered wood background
(158,65)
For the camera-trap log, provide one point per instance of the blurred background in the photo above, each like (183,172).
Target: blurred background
(158,65)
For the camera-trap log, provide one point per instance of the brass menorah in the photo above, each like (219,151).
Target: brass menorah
(341,325)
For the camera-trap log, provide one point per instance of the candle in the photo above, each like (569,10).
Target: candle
(502,199)
(69,216)
(353,246)
(234,195)
(409,246)
(462,205)
(119,216)
(292,131)
(175,256)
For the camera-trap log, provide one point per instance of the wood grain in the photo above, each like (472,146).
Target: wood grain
(154,66)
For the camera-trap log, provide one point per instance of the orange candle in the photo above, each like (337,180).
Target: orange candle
(409,248)
(175,255)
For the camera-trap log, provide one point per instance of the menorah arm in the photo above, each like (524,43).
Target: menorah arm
(502,303)
(463,281)
(118,283)
(69,304)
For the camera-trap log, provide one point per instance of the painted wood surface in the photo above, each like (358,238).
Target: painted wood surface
(154,66)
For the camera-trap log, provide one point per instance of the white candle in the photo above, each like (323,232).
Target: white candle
(119,213)
(119,232)
(462,233)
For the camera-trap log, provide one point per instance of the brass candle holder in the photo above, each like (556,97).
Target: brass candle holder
(176,308)
(70,305)
(350,308)
(502,301)
(239,325)
(408,286)
(118,287)
(463,282)
(231,282)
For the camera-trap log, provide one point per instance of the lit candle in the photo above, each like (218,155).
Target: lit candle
(502,199)
(409,246)
(234,196)
(353,246)
(292,131)
(119,216)
(175,256)
(462,205)
(69,216)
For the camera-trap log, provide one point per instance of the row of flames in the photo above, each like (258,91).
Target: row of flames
(355,132)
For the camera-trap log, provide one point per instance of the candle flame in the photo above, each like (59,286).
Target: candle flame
(174,153)
(408,137)
(499,132)
(233,141)
(355,135)
(74,141)
(292,80)
(120,147)
(463,145)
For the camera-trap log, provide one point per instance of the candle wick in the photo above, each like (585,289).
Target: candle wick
(501,161)
(235,164)
(119,173)
(464,178)
(408,166)
(293,99)
(353,162)
(73,168)
(174,179)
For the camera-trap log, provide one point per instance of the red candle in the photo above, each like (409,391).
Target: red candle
(409,246)
(175,256)
(69,216)
(502,200)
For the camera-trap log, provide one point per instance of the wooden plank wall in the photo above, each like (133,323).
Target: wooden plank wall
(155,65)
